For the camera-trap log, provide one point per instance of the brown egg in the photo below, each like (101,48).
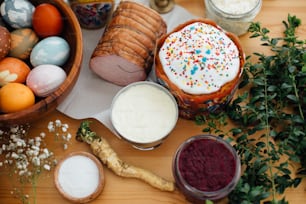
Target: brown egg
(5,42)
(22,42)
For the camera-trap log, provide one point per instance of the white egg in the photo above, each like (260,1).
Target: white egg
(45,79)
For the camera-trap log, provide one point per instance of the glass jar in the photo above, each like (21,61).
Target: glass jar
(206,167)
(233,15)
(92,14)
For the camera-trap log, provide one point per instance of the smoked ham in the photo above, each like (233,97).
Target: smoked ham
(125,52)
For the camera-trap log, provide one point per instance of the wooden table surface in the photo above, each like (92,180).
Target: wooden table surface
(119,190)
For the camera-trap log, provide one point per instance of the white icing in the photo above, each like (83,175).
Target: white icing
(199,59)
(144,113)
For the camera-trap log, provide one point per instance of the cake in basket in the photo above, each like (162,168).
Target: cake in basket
(201,65)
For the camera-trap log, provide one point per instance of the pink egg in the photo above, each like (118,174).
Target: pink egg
(45,79)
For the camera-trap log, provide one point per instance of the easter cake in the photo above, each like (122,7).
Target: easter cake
(200,64)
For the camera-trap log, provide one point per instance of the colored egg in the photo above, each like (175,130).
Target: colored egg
(22,43)
(13,70)
(5,42)
(17,13)
(51,50)
(47,20)
(45,79)
(15,97)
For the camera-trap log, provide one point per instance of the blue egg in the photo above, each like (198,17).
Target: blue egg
(17,13)
(51,50)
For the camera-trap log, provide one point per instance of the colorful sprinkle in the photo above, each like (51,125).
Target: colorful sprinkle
(199,59)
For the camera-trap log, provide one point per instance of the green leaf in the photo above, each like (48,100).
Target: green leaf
(212,124)
(255,35)
(261,144)
(298,119)
(274,41)
(292,98)
(292,69)
(246,188)
(236,131)
(207,129)
(272,88)
(286,85)
(208,202)
(265,31)
(297,181)
(294,158)
(262,170)
(259,81)
(273,133)
(304,57)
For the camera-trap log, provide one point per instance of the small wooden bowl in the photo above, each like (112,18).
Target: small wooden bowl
(72,33)
(64,192)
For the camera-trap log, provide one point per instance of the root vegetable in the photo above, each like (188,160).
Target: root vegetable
(109,157)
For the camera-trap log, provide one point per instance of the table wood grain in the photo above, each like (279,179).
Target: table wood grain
(121,190)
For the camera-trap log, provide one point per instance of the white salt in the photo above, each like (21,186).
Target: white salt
(78,176)
(235,6)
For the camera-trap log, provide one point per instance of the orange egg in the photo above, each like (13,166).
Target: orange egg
(15,97)
(13,70)
(47,20)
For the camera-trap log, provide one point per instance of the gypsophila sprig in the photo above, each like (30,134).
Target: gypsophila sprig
(27,156)
(269,118)
(60,131)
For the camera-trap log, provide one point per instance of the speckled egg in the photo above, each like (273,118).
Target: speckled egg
(23,41)
(5,42)
(51,50)
(17,13)
(45,79)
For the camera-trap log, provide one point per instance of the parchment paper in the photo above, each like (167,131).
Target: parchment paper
(91,97)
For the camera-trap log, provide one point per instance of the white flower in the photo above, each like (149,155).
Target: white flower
(65,127)
(58,123)
(36,161)
(42,135)
(65,146)
(14,155)
(47,167)
(51,127)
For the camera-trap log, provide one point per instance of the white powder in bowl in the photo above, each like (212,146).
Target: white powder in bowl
(235,6)
(78,176)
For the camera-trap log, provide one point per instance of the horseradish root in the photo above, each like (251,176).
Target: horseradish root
(109,157)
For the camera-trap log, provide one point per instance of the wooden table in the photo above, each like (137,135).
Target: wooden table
(119,190)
